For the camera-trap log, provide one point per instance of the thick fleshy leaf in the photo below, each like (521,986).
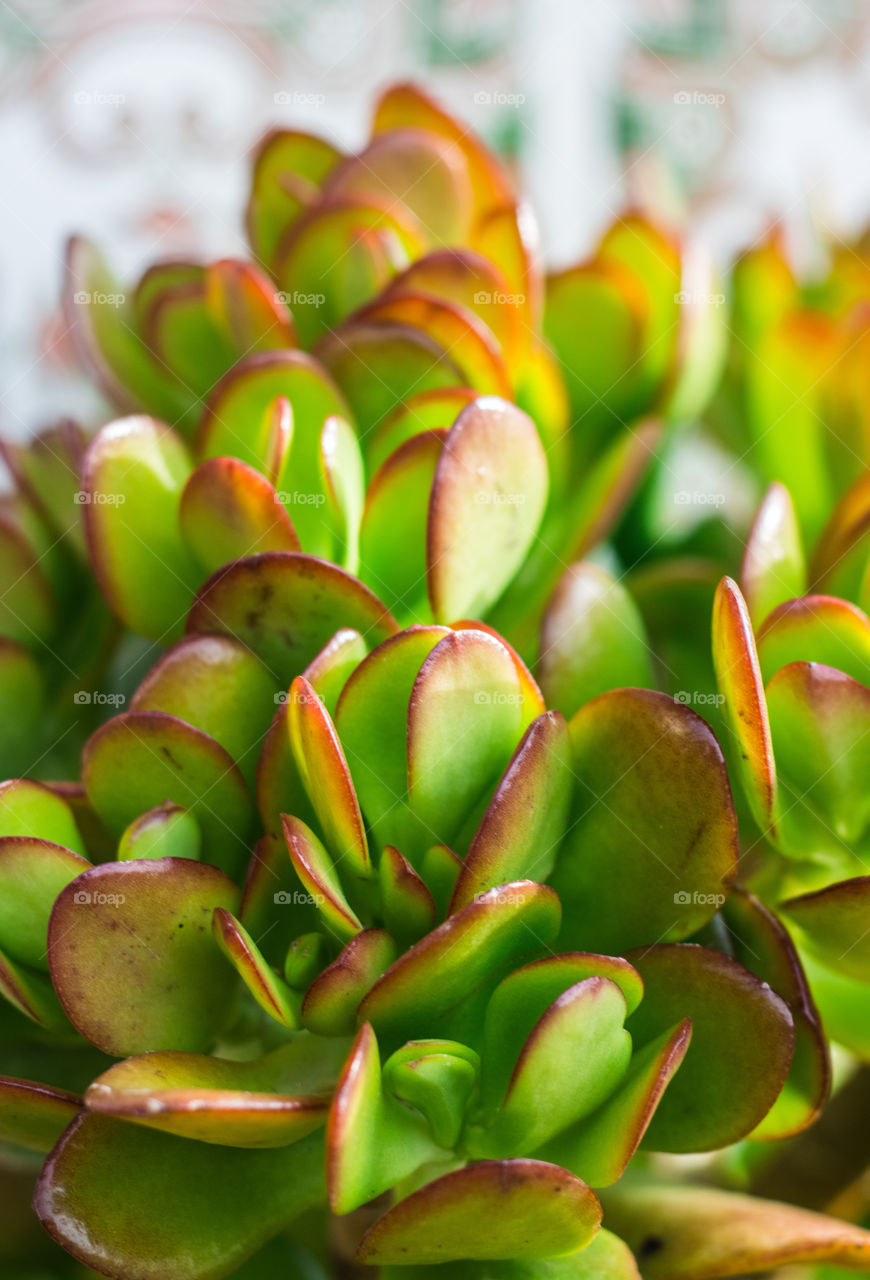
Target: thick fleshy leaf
(599,1147)
(34,1115)
(218,686)
(166,831)
(474,282)
(326,777)
(520,832)
(816,629)
(106,339)
(288,170)
(652,847)
(761,943)
(133,958)
(27,609)
(573,1059)
(331,669)
(269,990)
(471,344)
(371,719)
(833,924)
(773,569)
(331,1002)
(278,785)
(592,639)
(739,678)
(606,1258)
(245,419)
(508,235)
(461,960)
(372,1140)
(425,411)
(199,1212)
(820,721)
(245,308)
(31,993)
(285,607)
(488,498)
(839,557)
(317,872)
(32,874)
(274,907)
(132,476)
(417,170)
(436,1078)
(408,906)
(740,1053)
(494,1209)
(378,366)
(393,529)
(405,105)
(466,715)
(143,758)
(23,704)
(229,510)
(340,254)
(698,1233)
(266,1102)
(842,1003)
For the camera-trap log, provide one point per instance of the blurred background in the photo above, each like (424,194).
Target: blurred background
(133,122)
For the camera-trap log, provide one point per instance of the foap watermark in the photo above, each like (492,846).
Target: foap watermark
(96,498)
(498,98)
(302,696)
(298,98)
(84,298)
(96,698)
(300,499)
(497,498)
(698,298)
(484,297)
(498,698)
(93,898)
(502,895)
(299,299)
(685,899)
(698,498)
(698,98)
(284,898)
(697,698)
(96,98)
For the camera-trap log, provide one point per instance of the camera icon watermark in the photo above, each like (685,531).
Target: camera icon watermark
(93,898)
(696,498)
(284,898)
(96,98)
(497,98)
(299,499)
(298,98)
(685,899)
(696,697)
(697,298)
(96,698)
(96,298)
(697,98)
(498,698)
(297,299)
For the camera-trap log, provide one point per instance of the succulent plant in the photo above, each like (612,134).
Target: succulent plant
(351,948)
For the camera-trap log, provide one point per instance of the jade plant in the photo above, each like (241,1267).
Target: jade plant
(407,921)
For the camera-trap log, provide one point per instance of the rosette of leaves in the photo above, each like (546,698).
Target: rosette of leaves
(202,1041)
(55,632)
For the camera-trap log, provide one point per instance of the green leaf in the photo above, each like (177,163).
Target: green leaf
(200,1209)
(133,958)
(289,168)
(573,1059)
(428,990)
(229,510)
(740,1053)
(424,411)
(592,640)
(34,1115)
(265,1102)
(816,629)
(285,607)
(697,1233)
(833,925)
(651,848)
(217,685)
(773,569)
(494,1209)
(29,809)
(606,1258)
(269,990)
(520,832)
(488,497)
(316,870)
(32,874)
(331,1002)
(143,758)
(132,476)
(166,831)
(373,1141)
